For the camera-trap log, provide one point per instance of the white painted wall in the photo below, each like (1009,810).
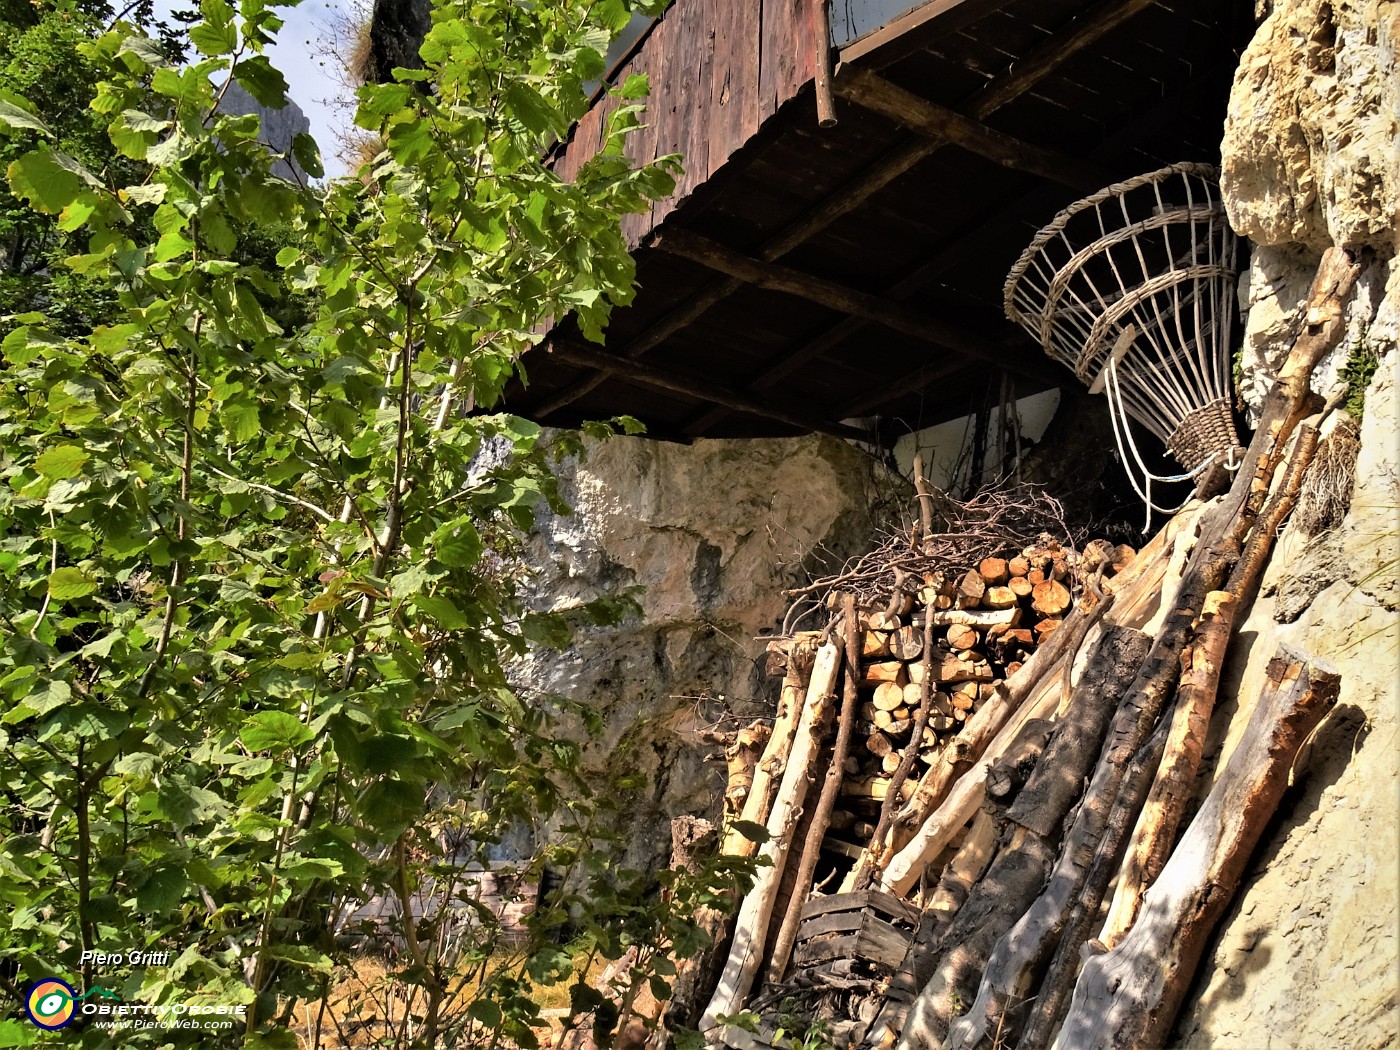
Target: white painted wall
(943,445)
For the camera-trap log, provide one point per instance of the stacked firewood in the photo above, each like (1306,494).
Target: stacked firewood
(986,622)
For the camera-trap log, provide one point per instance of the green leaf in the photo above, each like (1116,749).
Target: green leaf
(531,108)
(68,583)
(185,804)
(15,113)
(457,545)
(443,611)
(273,731)
(54,695)
(258,77)
(146,49)
(301,955)
(161,891)
(307,868)
(214,40)
(45,182)
(306,153)
(65,461)
(241,418)
(24,344)
(751,831)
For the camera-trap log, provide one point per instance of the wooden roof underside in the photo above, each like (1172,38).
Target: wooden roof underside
(807,276)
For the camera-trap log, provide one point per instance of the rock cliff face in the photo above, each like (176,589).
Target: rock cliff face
(1312,147)
(1308,953)
(714,532)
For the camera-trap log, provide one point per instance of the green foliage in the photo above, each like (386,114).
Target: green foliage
(1357,374)
(258,595)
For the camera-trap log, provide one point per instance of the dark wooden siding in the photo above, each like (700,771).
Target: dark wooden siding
(718,69)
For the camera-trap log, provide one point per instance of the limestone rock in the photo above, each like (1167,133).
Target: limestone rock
(714,532)
(276,127)
(1312,147)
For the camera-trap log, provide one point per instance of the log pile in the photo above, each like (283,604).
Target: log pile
(982,626)
(976,785)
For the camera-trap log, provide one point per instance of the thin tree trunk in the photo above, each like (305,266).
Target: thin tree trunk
(751,926)
(770,767)
(826,802)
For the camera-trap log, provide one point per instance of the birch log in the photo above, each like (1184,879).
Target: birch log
(771,766)
(1129,997)
(826,802)
(751,925)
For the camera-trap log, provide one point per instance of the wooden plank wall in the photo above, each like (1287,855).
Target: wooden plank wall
(718,69)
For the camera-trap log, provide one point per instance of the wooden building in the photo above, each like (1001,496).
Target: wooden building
(808,278)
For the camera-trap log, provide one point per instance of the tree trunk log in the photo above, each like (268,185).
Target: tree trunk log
(1172,791)
(1153,838)
(1129,997)
(770,767)
(1049,1005)
(963,873)
(1018,958)
(1058,779)
(826,802)
(751,925)
(974,738)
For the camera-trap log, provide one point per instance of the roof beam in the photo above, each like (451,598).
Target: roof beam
(905,34)
(676,381)
(831,294)
(873,92)
(850,196)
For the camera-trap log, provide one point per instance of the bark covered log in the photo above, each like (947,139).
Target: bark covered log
(1129,997)
(961,875)
(826,803)
(751,924)
(769,770)
(1058,779)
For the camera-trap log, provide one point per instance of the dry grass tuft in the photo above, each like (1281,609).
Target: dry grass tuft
(1326,493)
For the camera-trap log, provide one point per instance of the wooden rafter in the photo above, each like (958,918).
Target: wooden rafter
(843,201)
(997,92)
(905,34)
(832,294)
(873,92)
(691,385)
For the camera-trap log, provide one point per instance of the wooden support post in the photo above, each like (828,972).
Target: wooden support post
(1130,996)
(821,30)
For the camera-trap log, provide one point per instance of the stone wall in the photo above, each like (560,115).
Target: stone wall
(713,533)
(1308,954)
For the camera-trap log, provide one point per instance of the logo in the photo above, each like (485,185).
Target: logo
(49,1003)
